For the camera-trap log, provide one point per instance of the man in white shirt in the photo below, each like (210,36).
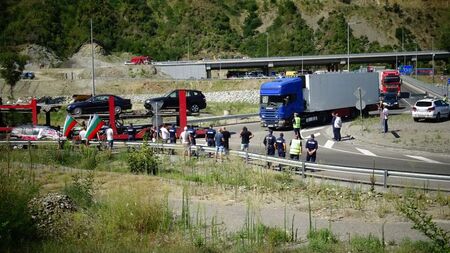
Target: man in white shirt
(110,137)
(385,117)
(337,127)
(83,136)
(184,136)
(164,134)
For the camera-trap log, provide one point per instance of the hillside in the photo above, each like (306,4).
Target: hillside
(182,29)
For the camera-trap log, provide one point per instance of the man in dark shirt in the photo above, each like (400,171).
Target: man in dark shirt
(269,142)
(226,140)
(173,134)
(209,136)
(245,138)
(193,141)
(280,145)
(131,132)
(311,149)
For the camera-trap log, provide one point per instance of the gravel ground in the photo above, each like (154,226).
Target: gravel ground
(403,133)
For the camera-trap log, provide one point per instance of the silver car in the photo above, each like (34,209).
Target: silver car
(429,108)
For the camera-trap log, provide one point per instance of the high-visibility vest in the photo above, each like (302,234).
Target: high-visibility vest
(296,122)
(296,147)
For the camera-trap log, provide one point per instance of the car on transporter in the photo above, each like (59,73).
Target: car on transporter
(98,104)
(195,101)
(436,109)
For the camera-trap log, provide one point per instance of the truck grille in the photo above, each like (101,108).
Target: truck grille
(269,115)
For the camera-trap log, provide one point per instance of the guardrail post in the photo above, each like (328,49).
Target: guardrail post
(303,169)
(246,155)
(385,177)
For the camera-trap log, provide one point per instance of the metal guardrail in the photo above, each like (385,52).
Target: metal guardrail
(424,87)
(302,166)
(224,117)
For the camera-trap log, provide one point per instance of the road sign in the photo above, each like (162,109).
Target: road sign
(357,94)
(360,105)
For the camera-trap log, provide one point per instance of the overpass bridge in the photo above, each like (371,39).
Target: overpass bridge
(202,69)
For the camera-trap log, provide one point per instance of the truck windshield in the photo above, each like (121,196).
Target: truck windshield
(276,100)
(391,79)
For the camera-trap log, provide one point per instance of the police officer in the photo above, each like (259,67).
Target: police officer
(296,124)
(173,134)
(209,137)
(280,145)
(311,149)
(269,143)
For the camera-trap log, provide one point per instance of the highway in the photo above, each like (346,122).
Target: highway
(357,153)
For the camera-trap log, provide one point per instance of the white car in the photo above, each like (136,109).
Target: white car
(429,108)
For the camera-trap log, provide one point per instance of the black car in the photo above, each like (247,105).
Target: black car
(390,100)
(195,101)
(99,103)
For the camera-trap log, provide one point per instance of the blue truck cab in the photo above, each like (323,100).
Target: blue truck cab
(279,99)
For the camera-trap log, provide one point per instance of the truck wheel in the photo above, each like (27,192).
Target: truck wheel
(194,108)
(117,109)
(416,119)
(77,111)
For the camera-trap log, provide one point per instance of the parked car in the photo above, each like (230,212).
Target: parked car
(34,133)
(195,101)
(99,103)
(27,75)
(390,100)
(429,108)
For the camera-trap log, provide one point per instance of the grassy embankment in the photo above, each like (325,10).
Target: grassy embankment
(120,212)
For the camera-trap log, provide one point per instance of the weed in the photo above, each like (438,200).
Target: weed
(322,240)
(424,223)
(366,244)
(81,190)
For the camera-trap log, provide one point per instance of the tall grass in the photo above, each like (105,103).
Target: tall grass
(218,108)
(16,190)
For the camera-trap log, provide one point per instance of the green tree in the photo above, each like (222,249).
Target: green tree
(12,65)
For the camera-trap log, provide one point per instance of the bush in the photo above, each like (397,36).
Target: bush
(143,160)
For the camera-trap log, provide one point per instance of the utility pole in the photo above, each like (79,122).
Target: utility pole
(267,44)
(432,56)
(403,47)
(93,67)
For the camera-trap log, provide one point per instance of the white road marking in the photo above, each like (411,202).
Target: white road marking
(407,102)
(312,129)
(422,159)
(328,144)
(366,152)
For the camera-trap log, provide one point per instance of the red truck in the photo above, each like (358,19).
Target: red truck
(137,60)
(390,81)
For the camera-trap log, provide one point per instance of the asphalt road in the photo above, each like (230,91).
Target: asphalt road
(347,153)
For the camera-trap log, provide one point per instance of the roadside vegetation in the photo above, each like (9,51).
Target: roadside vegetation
(112,206)
(164,29)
